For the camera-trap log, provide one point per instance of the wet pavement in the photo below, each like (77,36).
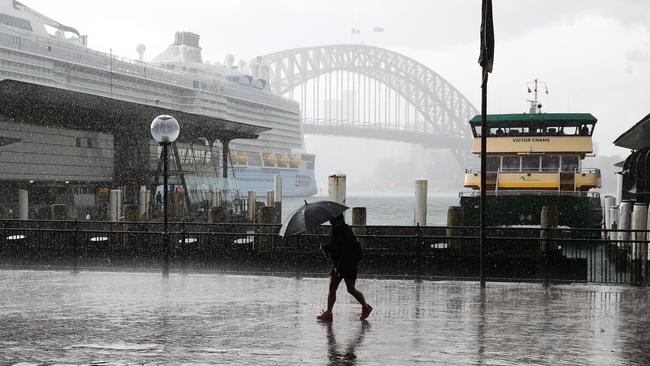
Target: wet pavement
(139,318)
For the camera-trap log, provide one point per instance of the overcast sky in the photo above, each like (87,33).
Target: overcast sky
(594,54)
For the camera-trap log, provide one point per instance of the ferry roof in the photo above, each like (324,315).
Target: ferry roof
(637,137)
(55,107)
(540,120)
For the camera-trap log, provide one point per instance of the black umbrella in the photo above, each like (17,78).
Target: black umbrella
(310,216)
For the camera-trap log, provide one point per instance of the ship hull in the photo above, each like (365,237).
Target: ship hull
(579,211)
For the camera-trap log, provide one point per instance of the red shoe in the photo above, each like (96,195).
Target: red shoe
(325,316)
(365,312)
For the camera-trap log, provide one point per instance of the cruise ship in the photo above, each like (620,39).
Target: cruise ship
(37,50)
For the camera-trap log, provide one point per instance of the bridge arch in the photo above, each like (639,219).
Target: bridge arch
(443,108)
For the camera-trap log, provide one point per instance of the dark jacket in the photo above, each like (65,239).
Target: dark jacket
(343,248)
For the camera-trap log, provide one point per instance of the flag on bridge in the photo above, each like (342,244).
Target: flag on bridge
(355,32)
(486,58)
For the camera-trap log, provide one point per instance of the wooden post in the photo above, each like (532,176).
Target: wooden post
(265,216)
(549,219)
(359,223)
(454,218)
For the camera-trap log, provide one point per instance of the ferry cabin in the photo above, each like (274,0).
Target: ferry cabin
(535,152)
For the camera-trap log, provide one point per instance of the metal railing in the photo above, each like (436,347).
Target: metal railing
(432,252)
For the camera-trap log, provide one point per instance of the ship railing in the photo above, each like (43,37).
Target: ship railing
(73,53)
(521,192)
(542,170)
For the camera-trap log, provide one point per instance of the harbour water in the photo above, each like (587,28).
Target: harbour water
(386,209)
(118,318)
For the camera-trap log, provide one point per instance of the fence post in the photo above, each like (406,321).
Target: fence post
(548,220)
(75,247)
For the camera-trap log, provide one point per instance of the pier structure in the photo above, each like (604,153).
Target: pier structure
(76,149)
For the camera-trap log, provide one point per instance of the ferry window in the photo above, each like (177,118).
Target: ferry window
(492,163)
(510,163)
(569,163)
(530,162)
(550,163)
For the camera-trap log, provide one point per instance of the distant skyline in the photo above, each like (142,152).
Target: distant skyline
(593,54)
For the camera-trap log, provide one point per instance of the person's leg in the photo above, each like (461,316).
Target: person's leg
(335,280)
(350,284)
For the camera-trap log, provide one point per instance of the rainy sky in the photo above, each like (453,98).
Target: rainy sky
(593,54)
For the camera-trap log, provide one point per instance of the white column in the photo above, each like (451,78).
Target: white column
(116,204)
(143,209)
(420,217)
(609,202)
(624,220)
(613,221)
(277,183)
(270,200)
(639,222)
(23,204)
(336,187)
(619,188)
(216,199)
(252,201)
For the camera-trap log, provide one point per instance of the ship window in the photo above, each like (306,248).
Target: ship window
(15,22)
(550,163)
(492,163)
(569,163)
(510,163)
(530,162)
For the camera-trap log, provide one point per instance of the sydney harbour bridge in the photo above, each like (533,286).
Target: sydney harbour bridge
(371,92)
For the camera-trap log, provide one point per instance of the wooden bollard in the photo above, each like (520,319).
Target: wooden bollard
(549,219)
(454,218)
(131,212)
(265,215)
(214,214)
(359,221)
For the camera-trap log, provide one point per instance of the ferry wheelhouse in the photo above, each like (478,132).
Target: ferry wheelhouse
(534,160)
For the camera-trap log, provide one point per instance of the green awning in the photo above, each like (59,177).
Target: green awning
(538,120)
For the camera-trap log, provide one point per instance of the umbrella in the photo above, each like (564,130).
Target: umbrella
(309,216)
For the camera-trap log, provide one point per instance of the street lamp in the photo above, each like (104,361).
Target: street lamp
(165,130)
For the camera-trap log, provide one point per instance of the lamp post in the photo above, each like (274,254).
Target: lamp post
(165,130)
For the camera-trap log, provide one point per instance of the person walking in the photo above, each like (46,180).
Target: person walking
(345,252)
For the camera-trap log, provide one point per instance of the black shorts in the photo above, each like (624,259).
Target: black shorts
(347,271)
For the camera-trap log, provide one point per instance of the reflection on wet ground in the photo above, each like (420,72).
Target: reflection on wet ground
(139,318)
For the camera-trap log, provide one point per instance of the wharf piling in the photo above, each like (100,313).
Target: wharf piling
(624,220)
(608,203)
(359,223)
(639,249)
(337,187)
(144,204)
(420,216)
(116,205)
(252,202)
(23,204)
(549,219)
(277,197)
(454,219)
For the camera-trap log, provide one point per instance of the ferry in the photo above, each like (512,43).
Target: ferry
(534,159)
(38,50)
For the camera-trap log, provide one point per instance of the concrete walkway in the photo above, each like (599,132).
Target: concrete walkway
(139,318)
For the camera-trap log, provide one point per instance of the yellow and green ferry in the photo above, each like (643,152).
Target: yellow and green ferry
(533,160)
